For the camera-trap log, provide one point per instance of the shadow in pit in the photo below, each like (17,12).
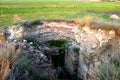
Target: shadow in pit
(56,55)
(58,62)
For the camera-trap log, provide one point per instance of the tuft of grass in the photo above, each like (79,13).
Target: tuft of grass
(98,23)
(109,72)
(7,61)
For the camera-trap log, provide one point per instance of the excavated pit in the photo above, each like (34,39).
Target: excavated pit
(68,46)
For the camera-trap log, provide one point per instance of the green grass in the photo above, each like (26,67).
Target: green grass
(52,9)
(109,72)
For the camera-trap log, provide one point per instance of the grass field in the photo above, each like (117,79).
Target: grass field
(53,9)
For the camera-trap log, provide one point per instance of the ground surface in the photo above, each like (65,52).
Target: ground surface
(53,9)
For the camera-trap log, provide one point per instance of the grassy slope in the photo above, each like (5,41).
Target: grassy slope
(51,9)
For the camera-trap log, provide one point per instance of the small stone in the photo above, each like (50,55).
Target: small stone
(97,64)
(94,46)
(112,33)
(41,55)
(114,16)
(15,41)
(31,43)
(24,46)
(25,41)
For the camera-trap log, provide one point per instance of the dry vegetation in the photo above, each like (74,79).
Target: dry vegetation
(96,23)
(7,60)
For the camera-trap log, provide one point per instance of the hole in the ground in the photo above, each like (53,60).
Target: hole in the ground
(57,57)
(57,52)
(58,60)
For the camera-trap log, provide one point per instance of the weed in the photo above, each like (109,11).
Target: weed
(109,72)
(7,61)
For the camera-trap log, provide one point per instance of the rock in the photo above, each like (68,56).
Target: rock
(16,46)
(15,41)
(24,41)
(112,33)
(7,32)
(114,16)
(14,32)
(94,45)
(31,48)
(97,64)
(41,55)
(31,43)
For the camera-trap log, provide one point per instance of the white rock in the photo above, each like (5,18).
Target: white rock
(86,29)
(41,55)
(112,33)
(31,43)
(114,16)
(24,41)
(15,41)
(97,64)
(94,46)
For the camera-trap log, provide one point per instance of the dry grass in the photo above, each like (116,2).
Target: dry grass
(7,60)
(97,23)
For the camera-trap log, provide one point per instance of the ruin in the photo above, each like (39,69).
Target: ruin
(86,50)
